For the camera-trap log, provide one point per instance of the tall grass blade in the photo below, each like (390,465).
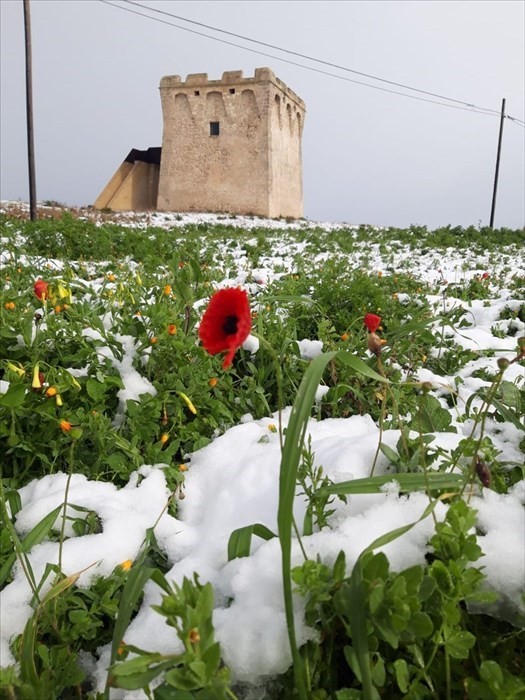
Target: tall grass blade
(138,576)
(407,483)
(34,537)
(290,460)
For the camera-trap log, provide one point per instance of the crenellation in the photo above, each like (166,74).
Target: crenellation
(232,76)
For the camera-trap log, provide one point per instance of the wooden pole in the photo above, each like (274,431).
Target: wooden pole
(493,208)
(29,112)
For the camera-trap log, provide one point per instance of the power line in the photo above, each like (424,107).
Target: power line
(466,105)
(311,58)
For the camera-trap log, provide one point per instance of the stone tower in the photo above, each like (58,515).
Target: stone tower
(231,145)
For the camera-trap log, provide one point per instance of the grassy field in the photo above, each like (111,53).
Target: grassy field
(336,515)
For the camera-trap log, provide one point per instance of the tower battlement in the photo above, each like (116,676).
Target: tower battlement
(230,78)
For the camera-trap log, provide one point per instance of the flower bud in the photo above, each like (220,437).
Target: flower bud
(503,363)
(483,473)
(16,369)
(36,383)
(40,289)
(375,343)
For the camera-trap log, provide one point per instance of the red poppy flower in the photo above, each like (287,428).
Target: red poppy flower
(372,322)
(226,323)
(40,288)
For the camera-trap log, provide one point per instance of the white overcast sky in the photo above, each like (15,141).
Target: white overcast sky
(368,156)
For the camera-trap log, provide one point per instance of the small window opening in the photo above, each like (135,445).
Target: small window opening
(214,128)
(197,93)
(232,91)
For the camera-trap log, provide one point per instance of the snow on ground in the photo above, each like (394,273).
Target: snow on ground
(231,483)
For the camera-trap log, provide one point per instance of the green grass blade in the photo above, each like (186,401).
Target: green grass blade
(287,480)
(357,616)
(290,460)
(138,576)
(407,483)
(240,540)
(28,671)
(34,537)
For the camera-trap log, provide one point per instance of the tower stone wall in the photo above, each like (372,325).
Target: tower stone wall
(231,145)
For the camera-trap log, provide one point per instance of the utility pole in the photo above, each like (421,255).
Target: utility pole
(493,208)
(29,112)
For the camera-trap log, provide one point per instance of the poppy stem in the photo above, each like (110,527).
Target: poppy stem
(279,380)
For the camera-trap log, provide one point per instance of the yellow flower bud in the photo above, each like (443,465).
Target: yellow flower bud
(36,383)
(188,402)
(16,369)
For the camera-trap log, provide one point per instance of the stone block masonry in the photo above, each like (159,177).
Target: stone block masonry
(231,145)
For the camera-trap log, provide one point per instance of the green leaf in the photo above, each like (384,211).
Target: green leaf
(389,453)
(212,658)
(137,665)
(459,643)
(35,536)
(491,673)
(421,625)
(407,483)
(430,417)
(14,396)
(402,674)
(168,692)
(28,671)
(442,577)
(507,414)
(95,389)
(240,540)
(182,679)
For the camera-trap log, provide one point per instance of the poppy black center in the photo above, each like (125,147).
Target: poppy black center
(230,325)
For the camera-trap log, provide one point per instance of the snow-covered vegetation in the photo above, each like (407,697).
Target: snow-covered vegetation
(337,514)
